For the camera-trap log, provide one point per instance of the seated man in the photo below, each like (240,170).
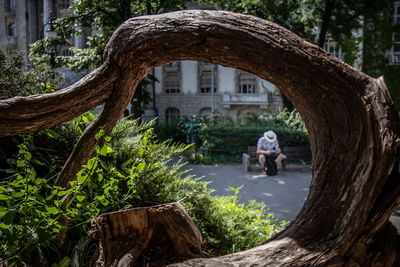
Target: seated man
(269,153)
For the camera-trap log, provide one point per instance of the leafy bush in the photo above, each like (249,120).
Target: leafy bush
(286,119)
(230,226)
(171,131)
(129,169)
(15,80)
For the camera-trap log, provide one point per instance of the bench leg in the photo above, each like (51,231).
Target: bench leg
(246,162)
(284,164)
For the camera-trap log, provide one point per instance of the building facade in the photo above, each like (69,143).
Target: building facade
(191,88)
(23,22)
(395,51)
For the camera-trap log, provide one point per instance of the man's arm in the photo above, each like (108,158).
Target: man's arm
(277,149)
(261,151)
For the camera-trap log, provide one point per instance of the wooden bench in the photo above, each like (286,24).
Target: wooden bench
(292,153)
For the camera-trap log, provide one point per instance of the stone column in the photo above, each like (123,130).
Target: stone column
(79,39)
(32,21)
(20,21)
(3,27)
(47,8)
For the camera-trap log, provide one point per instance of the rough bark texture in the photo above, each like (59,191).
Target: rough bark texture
(152,236)
(353,126)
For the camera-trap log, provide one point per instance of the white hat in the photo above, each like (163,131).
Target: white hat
(270,136)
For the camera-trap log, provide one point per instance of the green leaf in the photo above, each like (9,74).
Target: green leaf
(81,198)
(99,134)
(107,138)
(141,166)
(92,164)
(5,226)
(145,141)
(3,211)
(105,150)
(51,133)
(81,178)
(52,210)
(63,192)
(109,150)
(17,194)
(33,173)
(20,163)
(37,162)
(4,197)
(85,119)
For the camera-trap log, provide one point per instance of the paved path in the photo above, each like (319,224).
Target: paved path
(284,194)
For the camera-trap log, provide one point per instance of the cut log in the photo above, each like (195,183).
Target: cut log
(150,236)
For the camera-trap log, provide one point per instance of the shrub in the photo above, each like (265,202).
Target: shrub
(127,170)
(15,80)
(171,131)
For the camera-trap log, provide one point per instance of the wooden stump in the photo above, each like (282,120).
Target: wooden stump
(150,236)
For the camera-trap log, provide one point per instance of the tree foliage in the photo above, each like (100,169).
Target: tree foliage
(292,14)
(16,80)
(349,23)
(103,17)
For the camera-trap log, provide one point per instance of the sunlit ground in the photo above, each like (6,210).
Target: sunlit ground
(284,194)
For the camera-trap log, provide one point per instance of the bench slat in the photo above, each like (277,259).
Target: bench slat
(290,152)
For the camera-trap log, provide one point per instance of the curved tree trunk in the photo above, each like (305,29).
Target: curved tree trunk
(352,123)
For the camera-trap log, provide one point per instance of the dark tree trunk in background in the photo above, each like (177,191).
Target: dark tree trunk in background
(329,5)
(352,124)
(126,7)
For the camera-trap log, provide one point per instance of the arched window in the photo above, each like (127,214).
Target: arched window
(205,112)
(247,83)
(172,115)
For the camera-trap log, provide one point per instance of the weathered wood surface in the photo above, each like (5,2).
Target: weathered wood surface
(150,236)
(352,123)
